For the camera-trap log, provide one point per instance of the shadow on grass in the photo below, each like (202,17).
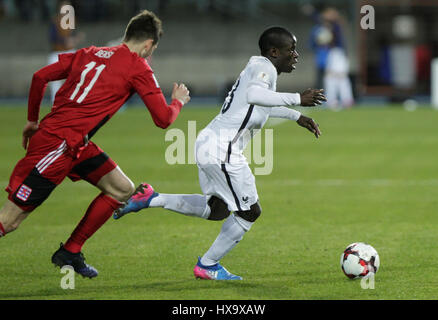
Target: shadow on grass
(169,290)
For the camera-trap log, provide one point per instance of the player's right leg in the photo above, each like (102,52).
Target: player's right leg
(11,217)
(193,205)
(45,165)
(33,179)
(206,206)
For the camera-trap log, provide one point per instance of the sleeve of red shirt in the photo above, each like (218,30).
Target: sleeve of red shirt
(56,71)
(149,90)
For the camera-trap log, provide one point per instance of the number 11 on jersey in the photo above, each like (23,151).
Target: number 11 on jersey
(84,73)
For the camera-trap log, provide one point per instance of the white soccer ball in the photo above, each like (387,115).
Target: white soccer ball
(359,260)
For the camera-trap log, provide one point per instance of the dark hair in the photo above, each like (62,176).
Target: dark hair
(145,25)
(273,38)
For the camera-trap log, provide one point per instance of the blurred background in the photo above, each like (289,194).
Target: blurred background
(207,43)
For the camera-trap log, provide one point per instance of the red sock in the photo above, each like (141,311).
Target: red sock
(2,230)
(97,214)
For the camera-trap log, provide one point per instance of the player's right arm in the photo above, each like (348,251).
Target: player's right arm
(312,97)
(259,92)
(56,71)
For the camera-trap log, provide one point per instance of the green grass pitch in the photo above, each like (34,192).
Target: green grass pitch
(371,177)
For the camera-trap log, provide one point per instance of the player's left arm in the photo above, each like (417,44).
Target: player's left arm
(309,124)
(294,115)
(150,92)
(284,113)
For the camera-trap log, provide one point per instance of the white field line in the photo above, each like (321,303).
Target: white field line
(358,182)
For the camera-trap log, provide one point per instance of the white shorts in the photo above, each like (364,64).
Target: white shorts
(232,182)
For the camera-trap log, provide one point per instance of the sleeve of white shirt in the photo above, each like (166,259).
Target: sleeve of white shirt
(259,92)
(284,113)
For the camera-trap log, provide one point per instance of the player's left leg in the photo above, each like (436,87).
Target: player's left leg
(240,194)
(97,168)
(116,187)
(232,232)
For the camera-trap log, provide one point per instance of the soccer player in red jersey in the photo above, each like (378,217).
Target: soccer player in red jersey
(98,82)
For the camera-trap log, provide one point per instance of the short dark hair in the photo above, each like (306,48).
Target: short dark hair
(273,37)
(145,25)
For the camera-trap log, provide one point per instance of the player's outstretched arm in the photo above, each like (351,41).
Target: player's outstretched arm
(265,97)
(312,97)
(310,125)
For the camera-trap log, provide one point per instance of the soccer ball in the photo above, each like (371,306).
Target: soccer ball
(359,260)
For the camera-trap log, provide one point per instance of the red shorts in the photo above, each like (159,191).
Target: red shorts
(47,162)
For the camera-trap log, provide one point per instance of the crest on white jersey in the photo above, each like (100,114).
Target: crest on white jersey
(263,76)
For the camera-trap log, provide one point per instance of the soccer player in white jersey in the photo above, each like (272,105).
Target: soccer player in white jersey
(228,185)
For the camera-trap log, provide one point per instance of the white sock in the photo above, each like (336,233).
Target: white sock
(194,205)
(231,233)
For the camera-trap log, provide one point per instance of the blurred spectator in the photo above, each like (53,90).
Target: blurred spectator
(61,41)
(325,34)
(331,60)
(337,84)
(384,67)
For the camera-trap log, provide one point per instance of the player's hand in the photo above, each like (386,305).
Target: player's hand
(181,93)
(312,97)
(309,124)
(29,130)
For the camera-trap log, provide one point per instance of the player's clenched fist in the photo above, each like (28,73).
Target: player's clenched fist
(312,97)
(181,93)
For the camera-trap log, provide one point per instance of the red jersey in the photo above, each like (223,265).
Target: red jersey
(98,82)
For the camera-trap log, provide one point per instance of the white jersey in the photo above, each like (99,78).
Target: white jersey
(227,135)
